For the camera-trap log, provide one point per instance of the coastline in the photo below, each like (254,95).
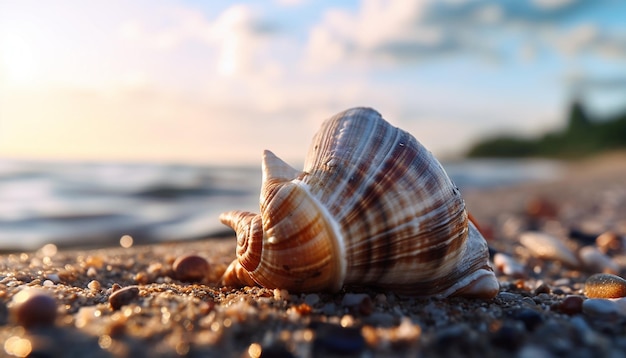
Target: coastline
(167,317)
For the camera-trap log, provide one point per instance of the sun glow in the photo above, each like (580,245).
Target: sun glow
(18,60)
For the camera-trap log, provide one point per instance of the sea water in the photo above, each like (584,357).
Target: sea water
(94,204)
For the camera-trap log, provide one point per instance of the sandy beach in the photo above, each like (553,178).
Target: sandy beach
(151,300)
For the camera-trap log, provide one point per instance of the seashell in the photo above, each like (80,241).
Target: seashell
(372,208)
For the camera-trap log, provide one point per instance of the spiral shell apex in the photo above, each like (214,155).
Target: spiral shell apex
(372,207)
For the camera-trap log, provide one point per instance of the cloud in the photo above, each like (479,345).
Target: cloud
(237,34)
(397,32)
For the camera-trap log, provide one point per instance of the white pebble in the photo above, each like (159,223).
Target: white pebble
(508,266)
(548,247)
(53,277)
(621,305)
(596,261)
(600,307)
(94,285)
(281,294)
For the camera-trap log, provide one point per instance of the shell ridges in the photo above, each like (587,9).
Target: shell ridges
(372,207)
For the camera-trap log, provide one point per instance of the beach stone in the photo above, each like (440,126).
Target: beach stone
(311,299)
(94,285)
(509,336)
(605,286)
(353,299)
(621,305)
(360,302)
(190,268)
(609,241)
(600,307)
(548,247)
(529,317)
(596,261)
(123,297)
(542,288)
(4,313)
(571,305)
(334,339)
(34,307)
(508,296)
(508,266)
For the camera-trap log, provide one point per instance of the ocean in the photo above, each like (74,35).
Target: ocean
(76,204)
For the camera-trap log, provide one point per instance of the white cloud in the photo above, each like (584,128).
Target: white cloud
(380,31)
(290,2)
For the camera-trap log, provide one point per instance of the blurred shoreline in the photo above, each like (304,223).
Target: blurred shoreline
(94,204)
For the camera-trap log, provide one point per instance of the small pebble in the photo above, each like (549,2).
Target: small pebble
(600,307)
(594,260)
(508,296)
(548,247)
(190,268)
(281,294)
(333,339)
(123,296)
(94,285)
(609,241)
(353,299)
(530,317)
(621,304)
(33,307)
(571,305)
(311,299)
(508,266)
(542,288)
(605,285)
(508,336)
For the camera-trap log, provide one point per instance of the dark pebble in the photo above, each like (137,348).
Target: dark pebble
(543,288)
(4,313)
(453,341)
(582,237)
(276,351)
(558,291)
(34,308)
(531,318)
(333,339)
(571,305)
(190,268)
(123,296)
(508,337)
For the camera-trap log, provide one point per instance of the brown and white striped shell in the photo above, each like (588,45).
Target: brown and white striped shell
(372,208)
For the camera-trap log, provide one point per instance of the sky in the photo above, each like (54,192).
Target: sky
(217,82)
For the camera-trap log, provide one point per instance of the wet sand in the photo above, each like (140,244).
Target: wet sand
(130,302)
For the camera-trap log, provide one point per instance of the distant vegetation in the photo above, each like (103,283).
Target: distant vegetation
(582,136)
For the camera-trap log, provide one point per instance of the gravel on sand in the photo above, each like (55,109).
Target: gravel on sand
(164,300)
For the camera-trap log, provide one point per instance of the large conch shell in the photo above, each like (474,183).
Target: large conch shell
(372,208)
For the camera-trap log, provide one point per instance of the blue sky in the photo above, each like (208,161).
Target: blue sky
(219,81)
